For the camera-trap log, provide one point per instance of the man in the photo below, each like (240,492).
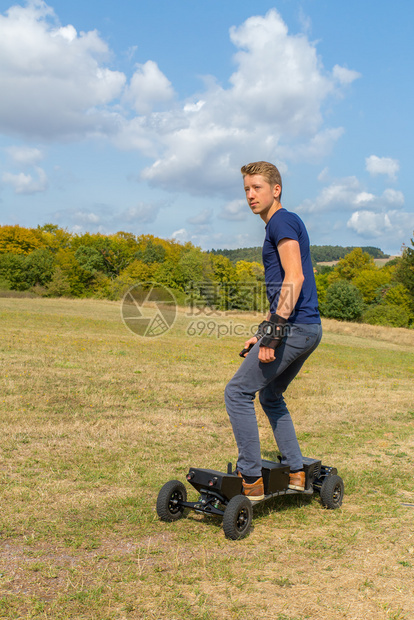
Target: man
(283,342)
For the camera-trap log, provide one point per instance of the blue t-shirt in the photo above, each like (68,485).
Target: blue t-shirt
(286,225)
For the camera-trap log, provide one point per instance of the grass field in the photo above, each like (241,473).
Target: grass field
(379,262)
(94,420)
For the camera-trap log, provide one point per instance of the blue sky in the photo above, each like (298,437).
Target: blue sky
(138,115)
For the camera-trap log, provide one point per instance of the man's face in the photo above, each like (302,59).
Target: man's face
(259,194)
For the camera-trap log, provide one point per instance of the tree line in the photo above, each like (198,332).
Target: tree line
(319,253)
(52,262)
(355,289)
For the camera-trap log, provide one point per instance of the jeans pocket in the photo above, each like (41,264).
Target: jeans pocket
(311,334)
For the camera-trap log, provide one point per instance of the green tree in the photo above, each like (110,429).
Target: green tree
(384,314)
(53,237)
(18,240)
(343,302)
(193,269)
(246,271)
(151,253)
(115,250)
(59,285)
(24,271)
(79,279)
(324,269)
(13,271)
(221,293)
(139,272)
(223,269)
(369,281)
(40,266)
(248,291)
(128,239)
(404,272)
(168,274)
(322,284)
(90,259)
(349,266)
(397,295)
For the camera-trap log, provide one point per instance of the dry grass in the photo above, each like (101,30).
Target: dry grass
(362,331)
(95,420)
(379,262)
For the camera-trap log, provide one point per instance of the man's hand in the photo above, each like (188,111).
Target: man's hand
(248,345)
(274,331)
(266,355)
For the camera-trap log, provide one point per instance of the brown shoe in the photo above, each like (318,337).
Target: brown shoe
(297,481)
(255,491)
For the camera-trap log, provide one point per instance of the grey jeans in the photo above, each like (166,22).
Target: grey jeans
(270,380)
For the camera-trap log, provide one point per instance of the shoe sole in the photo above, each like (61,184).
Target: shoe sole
(255,498)
(296,487)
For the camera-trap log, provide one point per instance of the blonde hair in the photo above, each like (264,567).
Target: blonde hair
(268,171)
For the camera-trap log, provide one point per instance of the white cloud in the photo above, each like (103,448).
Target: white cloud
(279,77)
(142,213)
(56,85)
(389,227)
(201,219)
(25,155)
(363,198)
(180,235)
(378,218)
(315,148)
(67,32)
(369,224)
(194,107)
(235,210)
(339,193)
(345,76)
(87,217)
(105,218)
(53,79)
(136,134)
(25,183)
(34,179)
(349,193)
(393,197)
(382,165)
(148,86)
(275,99)
(305,21)
(201,224)
(323,175)
(94,219)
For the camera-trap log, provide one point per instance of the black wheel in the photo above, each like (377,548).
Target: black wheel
(237,517)
(168,501)
(332,492)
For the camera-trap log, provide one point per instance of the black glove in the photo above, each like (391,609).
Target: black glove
(260,329)
(273,332)
(259,333)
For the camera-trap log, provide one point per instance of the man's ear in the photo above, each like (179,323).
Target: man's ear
(276,191)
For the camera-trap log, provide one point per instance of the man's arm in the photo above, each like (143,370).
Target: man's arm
(289,252)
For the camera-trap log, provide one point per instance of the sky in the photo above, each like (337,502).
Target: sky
(136,116)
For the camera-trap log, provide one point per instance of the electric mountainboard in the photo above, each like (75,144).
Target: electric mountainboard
(221,493)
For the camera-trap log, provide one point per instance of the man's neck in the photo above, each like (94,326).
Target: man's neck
(271,211)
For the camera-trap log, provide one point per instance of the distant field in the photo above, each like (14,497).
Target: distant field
(382,261)
(378,261)
(95,420)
